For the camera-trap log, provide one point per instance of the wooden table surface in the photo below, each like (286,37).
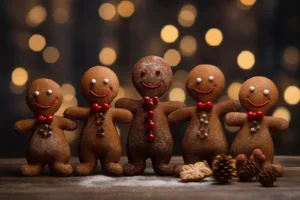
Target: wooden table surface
(148,186)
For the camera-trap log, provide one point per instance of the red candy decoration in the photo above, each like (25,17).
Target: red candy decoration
(157,72)
(150,137)
(143,72)
(146,99)
(200,105)
(105,107)
(95,107)
(251,115)
(155,100)
(150,105)
(259,115)
(209,105)
(49,118)
(41,119)
(150,125)
(150,114)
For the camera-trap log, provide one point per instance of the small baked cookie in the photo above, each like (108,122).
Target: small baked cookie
(99,138)
(257,95)
(204,139)
(48,144)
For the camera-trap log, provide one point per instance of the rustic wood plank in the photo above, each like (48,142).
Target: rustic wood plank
(147,186)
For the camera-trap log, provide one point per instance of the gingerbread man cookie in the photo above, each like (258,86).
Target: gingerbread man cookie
(149,135)
(48,144)
(99,138)
(258,95)
(204,139)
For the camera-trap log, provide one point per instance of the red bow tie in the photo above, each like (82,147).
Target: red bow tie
(151,102)
(100,108)
(259,115)
(207,105)
(41,119)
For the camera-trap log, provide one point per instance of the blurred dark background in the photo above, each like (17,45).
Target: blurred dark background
(61,39)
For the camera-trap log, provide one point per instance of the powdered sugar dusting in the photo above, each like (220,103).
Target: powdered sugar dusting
(139,181)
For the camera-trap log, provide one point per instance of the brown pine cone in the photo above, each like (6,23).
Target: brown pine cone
(267,176)
(223,168)
(248,170)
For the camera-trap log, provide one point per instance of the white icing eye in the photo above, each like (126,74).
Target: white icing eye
(105,80)
(210,78)
(251,88)
(49,92)
(93,81)
(266,92)
(36,93)
(198,80)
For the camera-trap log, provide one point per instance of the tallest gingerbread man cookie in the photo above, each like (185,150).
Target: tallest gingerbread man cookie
(204,139)
(258,95)
(149,135)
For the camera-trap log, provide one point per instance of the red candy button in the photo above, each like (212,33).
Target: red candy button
(150,125)
(41,119)
(259,115)
(49,118)
(105,107)
(155,100)
(200,105)
(209,105)
(95,107)
(150,114)
(150,137)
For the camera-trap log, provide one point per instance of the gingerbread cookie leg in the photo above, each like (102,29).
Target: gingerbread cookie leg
(61,169)
(32,169)
(88,163)
(190,158)
(162,166)
(136,165)
(111,166)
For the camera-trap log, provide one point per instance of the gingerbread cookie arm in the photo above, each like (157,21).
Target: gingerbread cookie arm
(129,104)
(121,115)
(228,106)
(180,116)
(171,106)
(78,113)
(24,126)
(67,124)
(235,118)
(277,123)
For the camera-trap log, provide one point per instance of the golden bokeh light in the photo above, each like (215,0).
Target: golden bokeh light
(37,42)
(36,15)
(19,76)
(60,15)
(233,90)
(292,95)
(246,60)
(169,33)
(50,54)
(187,15)
(125,8)
(172,57)
(16,89)
(66,104)
(107,11)
(214,37)
(188,45)
(177,94)
(68,91)
(248,2)
(291,57)
(107,56)
(282,112)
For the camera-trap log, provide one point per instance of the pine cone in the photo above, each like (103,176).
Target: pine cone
(223,168)
(248,170)
(267,176)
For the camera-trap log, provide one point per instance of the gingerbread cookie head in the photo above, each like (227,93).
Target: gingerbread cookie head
(258,94)
(152,76)
(44,97)
(205,83)
(99,85)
